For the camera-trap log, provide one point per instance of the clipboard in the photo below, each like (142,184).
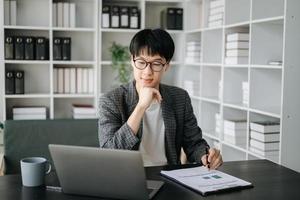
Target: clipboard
(204,181)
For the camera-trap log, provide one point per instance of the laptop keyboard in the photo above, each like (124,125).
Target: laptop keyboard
(149,190)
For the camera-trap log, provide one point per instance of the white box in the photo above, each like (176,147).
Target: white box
(237,45)
(72,15)
(28,116)
(29,110)
(265,126)
(237,52)
(236,60)
(268,137)
(66,15)
(238,37)
(264,146)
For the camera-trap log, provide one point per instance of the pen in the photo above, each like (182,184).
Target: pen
(207,152)
(53,188)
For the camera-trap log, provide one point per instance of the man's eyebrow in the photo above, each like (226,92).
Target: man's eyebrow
(155,59)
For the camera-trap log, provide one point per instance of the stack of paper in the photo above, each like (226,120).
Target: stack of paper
(24,113)
(235,132)
(264,139)
(193,52)
(237,48)
(82,111)
(192,87)
(245,87)
(216,13)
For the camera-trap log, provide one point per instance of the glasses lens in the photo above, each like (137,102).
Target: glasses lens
(157,66)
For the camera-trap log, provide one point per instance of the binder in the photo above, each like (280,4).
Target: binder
(54,14)
(6,12)
(9,82)
(179,19)
(66,14)
(57,48)
(134,17)
(19,48)
(124,17)
(9,48)
(168,17)
(66,48)
(72,15)
(29,48)
(115,17)
(42,48)
(19,82)
(105,16)
(13,12)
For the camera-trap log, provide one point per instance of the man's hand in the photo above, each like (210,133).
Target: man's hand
(147,95)
(213,159)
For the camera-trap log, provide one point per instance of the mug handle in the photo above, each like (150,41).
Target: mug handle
(49,168)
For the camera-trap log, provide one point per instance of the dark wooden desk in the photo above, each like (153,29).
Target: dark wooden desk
(271,181)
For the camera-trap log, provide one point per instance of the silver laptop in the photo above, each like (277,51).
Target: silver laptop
(108,173)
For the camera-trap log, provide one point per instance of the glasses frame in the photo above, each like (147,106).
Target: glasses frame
(148,63)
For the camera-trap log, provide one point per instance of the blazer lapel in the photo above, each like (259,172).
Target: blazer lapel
(170,125)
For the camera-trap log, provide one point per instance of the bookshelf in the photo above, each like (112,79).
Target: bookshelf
(272,27)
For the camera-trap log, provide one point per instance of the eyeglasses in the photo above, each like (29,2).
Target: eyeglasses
(142,64)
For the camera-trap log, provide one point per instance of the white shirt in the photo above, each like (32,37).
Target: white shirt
(152,146)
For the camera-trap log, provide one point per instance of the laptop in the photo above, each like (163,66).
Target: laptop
(107,173)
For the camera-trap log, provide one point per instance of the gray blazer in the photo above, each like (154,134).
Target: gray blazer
(181,129)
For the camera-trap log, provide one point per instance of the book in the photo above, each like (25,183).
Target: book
(9,48)
(55,80)
(236,60)
(214,17)
(264,146)
(90,80)
(85,80)
(237,45)
(29,116)
(60,80)
(240,124)
(238,37)
(217,10)
(235,132)
(54,14)
(13,12)
(84,110)
(115,16)
(215,23)
(29,110)
(29,48)
(72,11)
(237,52)
(265,126)
(57,48)
(60,14)
(9,82)
(6,12)
(264,153)
(105,16)
(19,48)
(124,17)
(66,14)
(41,48)
(262,137)
(19,82)
(84,116)
(134,17)
(205,181)
(66,48)
(79,80)
(73,80)
(67,87)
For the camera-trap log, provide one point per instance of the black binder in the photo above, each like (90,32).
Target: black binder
(9,82)
(19,82)
(115,17)
(124,17)
(134,17)
(105,16)
(42,48)
(29,48)
(168,17)
(66,48)
(19,48)
(57,48)
(9,48)
(179,19)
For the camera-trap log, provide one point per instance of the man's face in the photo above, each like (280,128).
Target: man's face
(150,76)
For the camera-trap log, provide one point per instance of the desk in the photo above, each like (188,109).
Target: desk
(271,181)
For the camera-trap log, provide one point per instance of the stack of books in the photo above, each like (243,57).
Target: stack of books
(26,113)
(192,87)
(216,13)
(264,139)
(235,132)
(218,123)
(64,14)
(71,80)
(245,87)
(193,52)
(237,48)
(83,111)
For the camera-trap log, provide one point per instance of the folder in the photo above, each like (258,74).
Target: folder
(19,82)
(66,48)
(13,12)
(42,48)
(9,82)
(179,19)
(6,12)
(134,17)
(168,17)
(115,17)
(72,11)
(105,16)
(9,48)
(29,48)
(19,48)
(57,48)
(124,17)
(54,14)
(66,14)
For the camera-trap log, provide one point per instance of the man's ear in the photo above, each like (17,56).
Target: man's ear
(167,66)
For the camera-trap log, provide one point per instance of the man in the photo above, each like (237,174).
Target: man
(152,117)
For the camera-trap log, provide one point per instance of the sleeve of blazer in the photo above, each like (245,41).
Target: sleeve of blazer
(112,132)
(193,143)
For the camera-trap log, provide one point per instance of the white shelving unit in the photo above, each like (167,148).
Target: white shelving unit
(273,26)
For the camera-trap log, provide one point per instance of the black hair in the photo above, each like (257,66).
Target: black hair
(155,41)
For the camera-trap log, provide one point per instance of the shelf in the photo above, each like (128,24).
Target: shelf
(57,62)
(242,66)
(262,9)
(25,96)
(237,11)
(73,95)
(270,114)
(29,62)
(211,136)
(279,67)
(214,100)
(275,20)
(119,30)
(234,146)
(192,31)
(33,28)
(73,29)
(239,106)
(211,64)
(240,24)
(195,97)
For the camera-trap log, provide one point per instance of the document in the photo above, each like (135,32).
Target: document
(205,181)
